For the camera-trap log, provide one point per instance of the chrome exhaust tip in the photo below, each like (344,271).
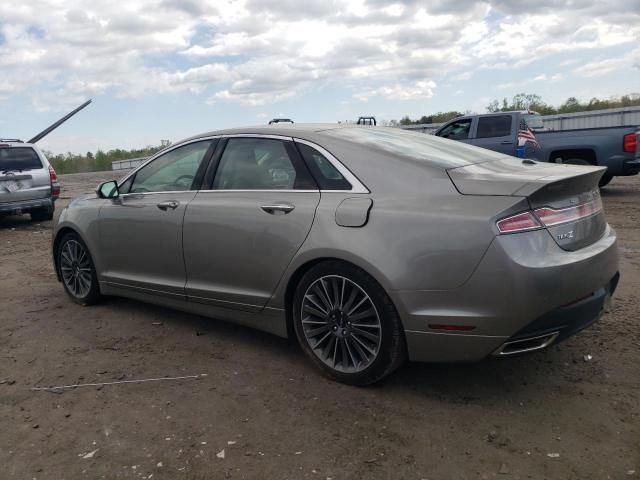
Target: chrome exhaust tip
(530,344)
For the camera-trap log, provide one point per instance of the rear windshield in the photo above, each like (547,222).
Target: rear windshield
(435,151)
(534,121)
(19,158)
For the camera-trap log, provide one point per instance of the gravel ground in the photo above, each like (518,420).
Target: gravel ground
(261,411)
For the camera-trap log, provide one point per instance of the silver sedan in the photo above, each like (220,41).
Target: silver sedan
(369,245)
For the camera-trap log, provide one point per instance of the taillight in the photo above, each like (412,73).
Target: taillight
(551,216)
(630,142)
(521,222)
(548,217)
(52,174)
(55,188)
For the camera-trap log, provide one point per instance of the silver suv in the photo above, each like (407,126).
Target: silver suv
(28,183)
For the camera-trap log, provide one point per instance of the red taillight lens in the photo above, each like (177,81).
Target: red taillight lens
(630,142)
(518,223)
(550,216)
(55,188)
(52,174)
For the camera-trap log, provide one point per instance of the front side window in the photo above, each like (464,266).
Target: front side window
(173,171)
(327,176)
(258,164)
(457,130)
(495,126)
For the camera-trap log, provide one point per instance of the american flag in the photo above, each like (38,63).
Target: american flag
(526,135)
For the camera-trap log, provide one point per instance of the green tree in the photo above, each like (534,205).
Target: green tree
(100,161)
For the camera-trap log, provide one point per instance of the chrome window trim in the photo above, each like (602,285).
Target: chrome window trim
(155,193)
(161,153)
(258,135)
(358,186)
(262,190)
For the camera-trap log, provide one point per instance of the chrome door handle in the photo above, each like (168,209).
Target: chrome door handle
(278,208)
(171,204)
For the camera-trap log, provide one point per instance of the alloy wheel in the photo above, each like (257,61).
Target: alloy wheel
(75,267)
(341,324)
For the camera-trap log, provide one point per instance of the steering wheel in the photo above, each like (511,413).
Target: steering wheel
(184,180)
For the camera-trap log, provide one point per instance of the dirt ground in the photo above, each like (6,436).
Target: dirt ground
(552,415)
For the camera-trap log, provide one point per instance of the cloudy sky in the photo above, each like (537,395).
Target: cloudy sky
(166,69)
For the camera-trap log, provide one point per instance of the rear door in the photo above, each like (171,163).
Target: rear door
(141,230)
(497,133)
(23,175)
(241,233)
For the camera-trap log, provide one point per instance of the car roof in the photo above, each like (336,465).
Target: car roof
(14,143)
(299,130)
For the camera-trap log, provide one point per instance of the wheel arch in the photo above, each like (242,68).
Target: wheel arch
(66,229)
(302,269)
(586,154)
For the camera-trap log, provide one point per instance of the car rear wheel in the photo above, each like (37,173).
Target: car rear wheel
(347,325)
(42,215)
(77,271)
(577,161)
(604,181)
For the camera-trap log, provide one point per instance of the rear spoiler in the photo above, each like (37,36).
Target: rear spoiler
(523,178)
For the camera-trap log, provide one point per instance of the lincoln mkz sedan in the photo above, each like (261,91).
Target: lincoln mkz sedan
(370,245)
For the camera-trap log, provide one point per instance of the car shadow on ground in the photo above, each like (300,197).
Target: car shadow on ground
(18,221)
(485,381)
(614,191)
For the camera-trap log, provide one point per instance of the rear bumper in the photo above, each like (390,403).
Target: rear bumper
(524,283)
(23,206)
(560,323)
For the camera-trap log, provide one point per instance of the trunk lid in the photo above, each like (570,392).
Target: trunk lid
(565,198)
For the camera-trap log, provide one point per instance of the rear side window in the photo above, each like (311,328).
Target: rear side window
(457,130)
(327,176)
(260,164)
(534,121)
(498,126)
(19,158)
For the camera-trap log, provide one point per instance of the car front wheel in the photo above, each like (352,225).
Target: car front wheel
(77,271)
(347,325)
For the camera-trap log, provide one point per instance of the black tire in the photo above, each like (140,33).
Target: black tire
(42,215)
(604,181)
(356,366)
(76,269)
(577,161)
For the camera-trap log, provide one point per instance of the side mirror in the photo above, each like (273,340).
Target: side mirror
(108,189)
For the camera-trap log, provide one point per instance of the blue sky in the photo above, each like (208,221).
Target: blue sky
(168,69)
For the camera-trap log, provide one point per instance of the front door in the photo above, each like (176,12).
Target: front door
(240,235)
(141,230)
(458,129)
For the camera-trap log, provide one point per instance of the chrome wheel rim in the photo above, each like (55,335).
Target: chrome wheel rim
(341,324)
(75,268)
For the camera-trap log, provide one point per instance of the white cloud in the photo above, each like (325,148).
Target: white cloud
(543,77)
(417,90)
(602,67)
(256,52)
